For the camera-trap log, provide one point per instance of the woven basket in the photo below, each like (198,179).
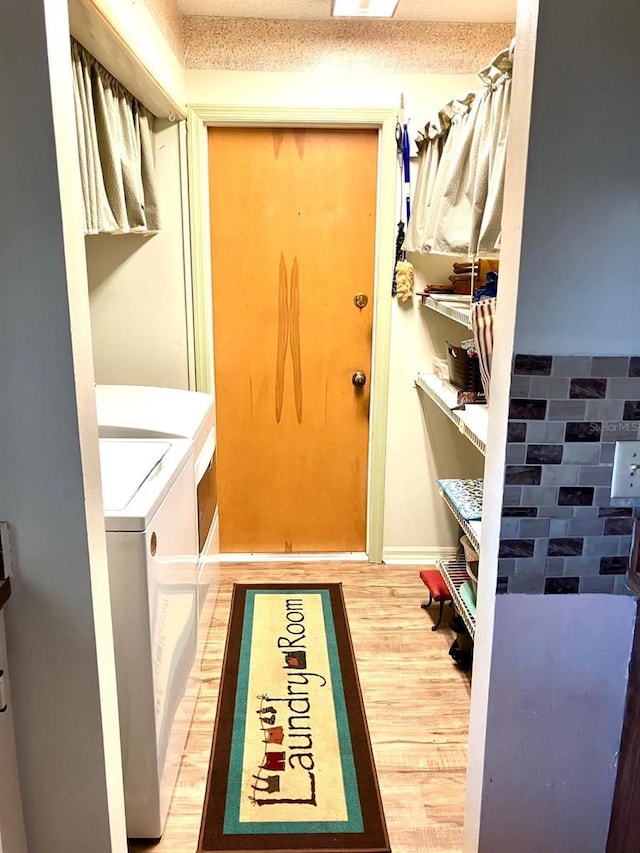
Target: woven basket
(464,370)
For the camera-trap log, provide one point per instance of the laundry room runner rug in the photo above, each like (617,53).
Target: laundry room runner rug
(291,765)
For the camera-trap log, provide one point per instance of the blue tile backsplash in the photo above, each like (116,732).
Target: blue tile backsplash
(562,533)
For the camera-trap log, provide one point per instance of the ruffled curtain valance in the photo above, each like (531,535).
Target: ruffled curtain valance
(115,143)
(457,207)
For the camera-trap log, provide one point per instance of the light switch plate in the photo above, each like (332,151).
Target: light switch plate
(626,470)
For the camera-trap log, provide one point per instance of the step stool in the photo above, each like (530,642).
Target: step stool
(438,591)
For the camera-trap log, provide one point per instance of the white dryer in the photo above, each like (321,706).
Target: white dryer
(152,549)
(139,411)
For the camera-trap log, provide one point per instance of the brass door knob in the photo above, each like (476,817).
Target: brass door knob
(359,378)
(361,300)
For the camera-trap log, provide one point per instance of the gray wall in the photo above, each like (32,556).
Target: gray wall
(578,290)
(58,623)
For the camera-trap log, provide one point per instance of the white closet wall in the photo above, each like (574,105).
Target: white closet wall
(422,444)
(58,621)
(137,292)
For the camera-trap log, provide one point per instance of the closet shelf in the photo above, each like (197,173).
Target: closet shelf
(448,309)
(472,421)
(454,574)
(471,528)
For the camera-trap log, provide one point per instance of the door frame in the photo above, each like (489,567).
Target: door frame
(202,116)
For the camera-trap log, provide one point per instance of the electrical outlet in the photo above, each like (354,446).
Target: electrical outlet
(626,470)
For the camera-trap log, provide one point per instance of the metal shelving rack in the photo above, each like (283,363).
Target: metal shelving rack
(472,421)
(455,574)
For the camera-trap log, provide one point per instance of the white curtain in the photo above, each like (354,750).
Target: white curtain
(458,196)
(486,187)
(452,226)
(115,143)
(430,147)
(490,230)
(449,175)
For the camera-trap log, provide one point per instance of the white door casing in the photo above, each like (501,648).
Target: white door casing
(201,116)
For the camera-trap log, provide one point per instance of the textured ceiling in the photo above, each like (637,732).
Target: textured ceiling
(490,11)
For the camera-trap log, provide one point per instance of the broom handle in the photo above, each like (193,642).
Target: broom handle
(406,168)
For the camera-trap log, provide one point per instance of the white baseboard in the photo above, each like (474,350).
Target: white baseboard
(419,556)
(294,558)
(409,556)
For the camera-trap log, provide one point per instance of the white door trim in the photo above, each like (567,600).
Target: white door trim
(199,117)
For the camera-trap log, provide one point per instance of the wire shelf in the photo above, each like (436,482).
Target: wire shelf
(471,528)
(454,573)
(472,421)
(448,309)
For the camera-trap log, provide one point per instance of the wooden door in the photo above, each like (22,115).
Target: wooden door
(12,838)
(292,237)
(624,827)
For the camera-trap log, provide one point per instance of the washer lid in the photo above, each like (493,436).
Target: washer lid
(125,466)
(145,410)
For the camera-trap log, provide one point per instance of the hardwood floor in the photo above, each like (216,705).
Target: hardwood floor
(416,700)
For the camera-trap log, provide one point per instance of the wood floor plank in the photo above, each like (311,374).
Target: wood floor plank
(416,700)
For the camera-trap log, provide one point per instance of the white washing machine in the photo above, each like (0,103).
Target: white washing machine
(138,411)
(152,548)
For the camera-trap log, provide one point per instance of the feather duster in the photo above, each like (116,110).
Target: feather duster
(404,280)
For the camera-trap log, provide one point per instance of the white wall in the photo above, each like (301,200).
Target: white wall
(494,473)
(556,703)
(423,92)
(550,672)
(58,620)
(168,16)
(421,445)
(139,320)
(123,35)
